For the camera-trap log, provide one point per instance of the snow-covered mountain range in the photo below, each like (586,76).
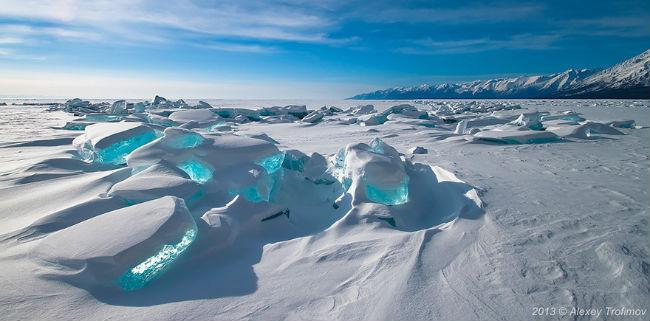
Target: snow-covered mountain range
(629,79)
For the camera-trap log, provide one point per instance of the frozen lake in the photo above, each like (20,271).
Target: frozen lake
(492,228)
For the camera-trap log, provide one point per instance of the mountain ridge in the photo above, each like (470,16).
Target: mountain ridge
(629,79)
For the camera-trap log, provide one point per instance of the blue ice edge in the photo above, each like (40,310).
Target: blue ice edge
(272,163)
(196,170)
(116,153)
(389,196)
(155,266)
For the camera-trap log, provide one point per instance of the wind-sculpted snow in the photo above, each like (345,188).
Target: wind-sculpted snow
(156,181)
(256,184)
(128,247)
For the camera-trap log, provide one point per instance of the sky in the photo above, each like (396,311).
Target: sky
(327,49)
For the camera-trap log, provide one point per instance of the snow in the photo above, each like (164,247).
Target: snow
(286,219)
(128,247)
(197,115)
(156,181)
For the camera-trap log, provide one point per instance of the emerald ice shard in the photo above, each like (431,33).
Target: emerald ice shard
(185,141)
(272,163)
(372,173)
(151,268)
(196,170)
(393,195)
(111,143)
(117,152)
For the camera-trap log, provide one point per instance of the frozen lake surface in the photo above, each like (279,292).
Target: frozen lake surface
(507,206)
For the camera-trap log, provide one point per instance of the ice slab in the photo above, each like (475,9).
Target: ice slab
(372,119)
(406,110)
(313,117)
(361,110)
(294,160)
(528,121)
(228,163)
(158,180)
(197,115)
(129,247)
(112,142)
(373,173)
(77,125)
(517,136)
(118,107)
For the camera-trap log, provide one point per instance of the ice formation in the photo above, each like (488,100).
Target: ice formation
(201,116)
(159,180)
(112,142)
(373,172)
(151,268)
(129,247)
(235,164)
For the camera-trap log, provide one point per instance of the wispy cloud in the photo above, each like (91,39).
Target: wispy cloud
(238,47)
(146,20)
(14,55)
(10,40)
(462,14)
(619,26)
(429,46)
(23,33)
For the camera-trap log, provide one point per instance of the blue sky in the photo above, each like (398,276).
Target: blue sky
(299,49)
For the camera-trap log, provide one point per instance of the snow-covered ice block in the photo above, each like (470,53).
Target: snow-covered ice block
(528,121)
(118,107)
(139,107)
(313,117)
(372,119)
(298,111)
(77,125)
(158,180)
(129,247)
(225,224)
(374,173)
(112,142)
(461,127)
(315,170)
(103,118)
(622,123)
(568,115)
(201,116)
(587,130)
(161,120)
(517,136)
(228,162)
(294,160)
(406,110)
(361,110)
(251,114)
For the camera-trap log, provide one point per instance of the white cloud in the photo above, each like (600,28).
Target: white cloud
(429,46)
(146,20)
(236,47)
(389,12)
(14,55)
